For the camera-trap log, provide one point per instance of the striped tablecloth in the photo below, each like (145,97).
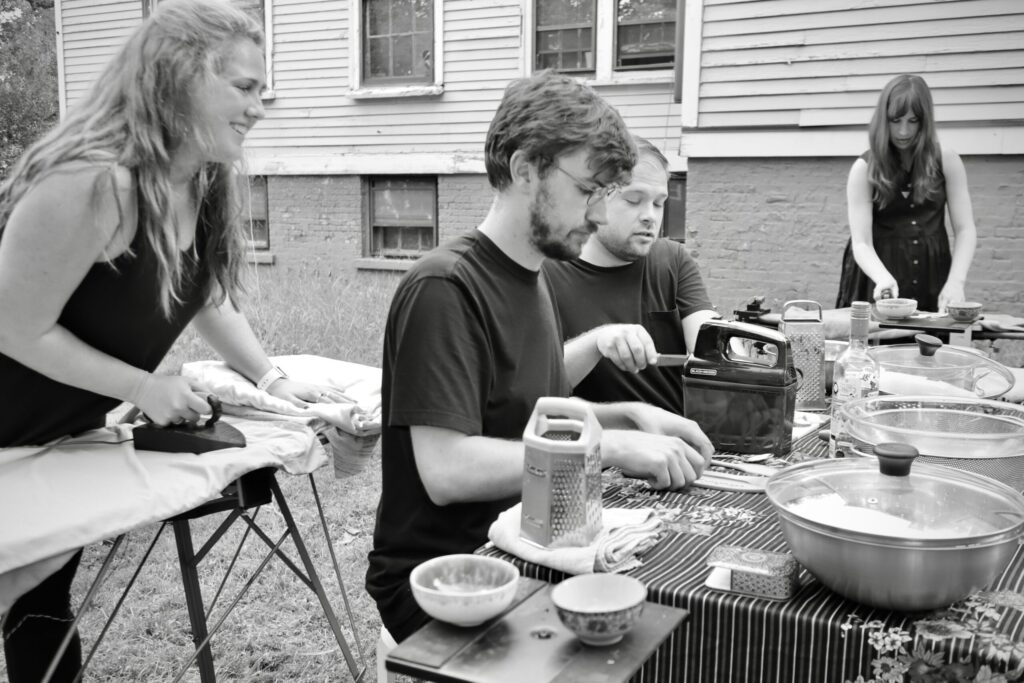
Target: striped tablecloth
(816,636)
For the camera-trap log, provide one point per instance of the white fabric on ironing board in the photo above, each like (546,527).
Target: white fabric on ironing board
(56,499)
(240,397)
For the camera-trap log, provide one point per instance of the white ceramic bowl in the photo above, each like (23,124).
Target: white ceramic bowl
(599,608)
(896,309)
(464,590)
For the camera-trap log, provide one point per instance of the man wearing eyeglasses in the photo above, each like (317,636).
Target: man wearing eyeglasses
(472,341)
(630,296)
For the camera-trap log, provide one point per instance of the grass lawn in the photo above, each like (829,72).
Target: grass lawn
(278,631)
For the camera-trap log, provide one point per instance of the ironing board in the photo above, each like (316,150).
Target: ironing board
(107,489)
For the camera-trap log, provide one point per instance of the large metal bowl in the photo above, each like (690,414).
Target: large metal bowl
(974,434)
(924,540)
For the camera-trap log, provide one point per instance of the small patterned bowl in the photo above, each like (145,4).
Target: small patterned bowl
(964,311)
(599,608)
(896,309)
(464,590)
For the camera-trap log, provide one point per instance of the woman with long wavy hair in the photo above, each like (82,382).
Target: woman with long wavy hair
(897,195)
(117,229)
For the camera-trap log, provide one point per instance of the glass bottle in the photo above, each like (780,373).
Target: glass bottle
(855,374)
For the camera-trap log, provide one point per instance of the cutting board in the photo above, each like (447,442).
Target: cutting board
(923,322)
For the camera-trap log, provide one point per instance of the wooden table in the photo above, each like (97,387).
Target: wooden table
(817,636)
(529,643)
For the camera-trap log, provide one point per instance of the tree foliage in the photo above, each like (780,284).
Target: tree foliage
(28,76)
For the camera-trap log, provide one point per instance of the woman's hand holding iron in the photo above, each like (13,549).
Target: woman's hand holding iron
(168,399)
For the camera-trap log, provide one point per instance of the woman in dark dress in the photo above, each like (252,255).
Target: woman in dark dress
(117,229)
(897,195)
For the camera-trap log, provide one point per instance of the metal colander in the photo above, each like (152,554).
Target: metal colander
(977,435)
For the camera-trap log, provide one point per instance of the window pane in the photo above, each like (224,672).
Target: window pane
(379,58)
(401,16)
(565,35)
(252,193)
(401,51)
(403,220)
(399,41)
(645,34)
(560,12)
(674,222)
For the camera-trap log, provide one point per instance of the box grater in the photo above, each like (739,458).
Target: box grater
(806,336)
(561,474)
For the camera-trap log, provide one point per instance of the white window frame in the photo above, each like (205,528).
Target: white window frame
(604,49)
(355,60)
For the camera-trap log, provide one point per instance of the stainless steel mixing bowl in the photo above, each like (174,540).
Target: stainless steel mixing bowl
(911,542)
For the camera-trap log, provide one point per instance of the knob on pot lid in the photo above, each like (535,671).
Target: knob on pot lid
(931,367)
(894,500)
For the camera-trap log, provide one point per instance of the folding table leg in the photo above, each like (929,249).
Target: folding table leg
(314,579)
(194,599)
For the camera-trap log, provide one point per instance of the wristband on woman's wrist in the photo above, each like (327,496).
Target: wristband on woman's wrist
(272,375)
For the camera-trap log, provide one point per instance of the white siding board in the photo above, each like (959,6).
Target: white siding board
(907,30)
(732,9)
(742,119)
(91,33)
(865,98)
(876,18)
(884,48)
(994,111)
(883,67)
(873,83)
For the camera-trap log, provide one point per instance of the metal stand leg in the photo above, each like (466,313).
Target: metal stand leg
(317,586)
(194,599)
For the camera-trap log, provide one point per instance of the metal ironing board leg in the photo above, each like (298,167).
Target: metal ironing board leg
(194,599)
(189,559)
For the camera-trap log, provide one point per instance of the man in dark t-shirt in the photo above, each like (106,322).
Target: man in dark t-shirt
(472,341)
(630,296)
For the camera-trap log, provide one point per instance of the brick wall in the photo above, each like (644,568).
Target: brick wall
(316,222)
(777,228)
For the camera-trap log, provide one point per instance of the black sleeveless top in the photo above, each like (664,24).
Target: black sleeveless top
(116,310)
(911,241)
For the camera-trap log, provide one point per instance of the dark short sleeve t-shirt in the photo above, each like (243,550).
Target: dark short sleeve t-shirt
(657,291)
(471,343)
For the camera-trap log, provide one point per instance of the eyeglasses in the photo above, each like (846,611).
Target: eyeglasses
(594,192)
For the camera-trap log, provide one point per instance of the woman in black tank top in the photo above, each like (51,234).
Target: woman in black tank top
(117,230)
(897,195)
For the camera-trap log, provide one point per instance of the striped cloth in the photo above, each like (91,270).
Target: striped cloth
(815,637)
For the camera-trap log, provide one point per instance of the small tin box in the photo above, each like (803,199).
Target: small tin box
(750,571)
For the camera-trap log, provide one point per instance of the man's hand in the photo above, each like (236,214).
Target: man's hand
(666,462)
(654,420)
(629,347)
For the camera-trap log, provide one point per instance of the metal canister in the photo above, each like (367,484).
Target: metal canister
(561,474)
(806,336)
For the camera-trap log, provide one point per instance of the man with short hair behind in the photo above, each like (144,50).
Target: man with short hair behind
(472,341)
(630,296)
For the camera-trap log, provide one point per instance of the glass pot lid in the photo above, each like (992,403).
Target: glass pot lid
(930,367)
(888,501)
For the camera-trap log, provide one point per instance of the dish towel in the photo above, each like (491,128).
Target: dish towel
(999,322)
(625,534)
(360,417)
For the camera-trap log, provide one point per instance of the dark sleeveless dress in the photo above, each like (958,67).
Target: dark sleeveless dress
(910,239)
(116,310)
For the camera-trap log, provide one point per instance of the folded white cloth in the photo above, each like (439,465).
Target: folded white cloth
(240,397)
(625,534)
(1000,322)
